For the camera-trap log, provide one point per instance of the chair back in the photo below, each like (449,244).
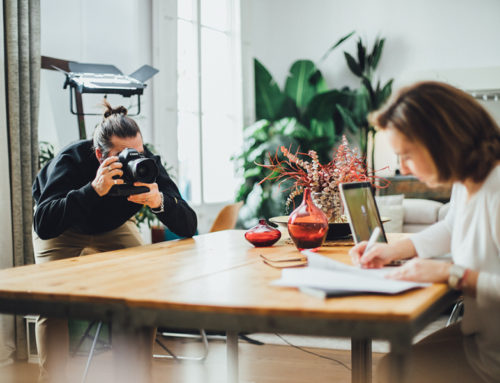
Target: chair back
(227,217)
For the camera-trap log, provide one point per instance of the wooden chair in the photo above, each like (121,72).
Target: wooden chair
(227,217)
(225,220)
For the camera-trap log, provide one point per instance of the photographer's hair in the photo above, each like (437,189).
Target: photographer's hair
(460,135)
(115,123)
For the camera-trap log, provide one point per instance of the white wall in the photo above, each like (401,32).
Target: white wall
(423,35)
(114,32)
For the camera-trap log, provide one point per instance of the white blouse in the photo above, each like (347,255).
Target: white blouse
(471,232)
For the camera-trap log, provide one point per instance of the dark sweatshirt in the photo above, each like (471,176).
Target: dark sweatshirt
(65,198)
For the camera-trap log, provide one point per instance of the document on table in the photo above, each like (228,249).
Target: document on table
(325,277)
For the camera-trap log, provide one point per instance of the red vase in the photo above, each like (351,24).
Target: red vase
(307,225)
(262,234)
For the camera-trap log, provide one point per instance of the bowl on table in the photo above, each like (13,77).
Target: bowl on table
(335,230)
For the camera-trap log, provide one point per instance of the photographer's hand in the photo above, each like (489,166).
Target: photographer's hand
(151,198)
(103,180)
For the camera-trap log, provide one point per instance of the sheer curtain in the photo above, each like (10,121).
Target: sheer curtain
(22,68)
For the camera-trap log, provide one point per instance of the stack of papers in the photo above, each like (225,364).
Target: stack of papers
(325,277)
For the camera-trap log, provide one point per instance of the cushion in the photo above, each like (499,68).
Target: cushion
(396,199)
(391,207)
(420,211)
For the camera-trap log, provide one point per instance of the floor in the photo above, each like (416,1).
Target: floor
(268,363)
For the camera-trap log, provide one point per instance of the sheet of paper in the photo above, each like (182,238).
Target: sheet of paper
(337,278)
(321,262)
(330,280)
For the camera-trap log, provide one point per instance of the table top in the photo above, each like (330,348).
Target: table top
(219,272)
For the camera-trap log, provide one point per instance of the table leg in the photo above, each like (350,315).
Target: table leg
(361,360)
(232,356)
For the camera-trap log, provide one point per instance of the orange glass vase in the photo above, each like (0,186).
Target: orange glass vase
(307,225)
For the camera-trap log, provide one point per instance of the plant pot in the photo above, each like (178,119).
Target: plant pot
(157,234)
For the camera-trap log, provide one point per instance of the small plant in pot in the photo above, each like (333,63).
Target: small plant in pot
(323,180)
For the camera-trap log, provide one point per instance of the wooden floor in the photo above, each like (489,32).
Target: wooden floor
(259,364)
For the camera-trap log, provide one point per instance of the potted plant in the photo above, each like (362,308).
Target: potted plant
(306,171)
(305,114)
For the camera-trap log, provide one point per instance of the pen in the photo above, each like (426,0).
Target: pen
(373,239)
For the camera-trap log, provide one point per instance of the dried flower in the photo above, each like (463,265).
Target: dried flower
(323,180)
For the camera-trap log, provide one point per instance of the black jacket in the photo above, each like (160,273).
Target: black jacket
(66,199)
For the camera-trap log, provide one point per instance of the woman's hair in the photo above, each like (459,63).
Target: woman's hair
(460,135)
(115,123)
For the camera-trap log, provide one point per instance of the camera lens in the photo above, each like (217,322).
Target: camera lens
(143,170)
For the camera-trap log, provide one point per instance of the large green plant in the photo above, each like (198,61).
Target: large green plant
(302,115)
(370,95)
(305,115)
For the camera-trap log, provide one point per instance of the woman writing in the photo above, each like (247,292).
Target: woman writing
(444,137)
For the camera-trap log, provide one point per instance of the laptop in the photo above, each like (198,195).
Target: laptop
(361,209)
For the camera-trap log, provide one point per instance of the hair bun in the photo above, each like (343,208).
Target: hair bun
(110,110)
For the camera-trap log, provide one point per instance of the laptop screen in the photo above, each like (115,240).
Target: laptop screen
(362,211)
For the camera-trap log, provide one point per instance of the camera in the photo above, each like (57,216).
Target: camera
(136,168)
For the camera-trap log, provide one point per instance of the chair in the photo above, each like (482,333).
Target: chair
(457,312)
(227,217)
(225,220)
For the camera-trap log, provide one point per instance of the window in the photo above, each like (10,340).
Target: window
(209,98)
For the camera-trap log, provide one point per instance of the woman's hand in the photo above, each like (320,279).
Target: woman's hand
(104,180)
(378,256)
(381,254)
(151,198)
(422,270)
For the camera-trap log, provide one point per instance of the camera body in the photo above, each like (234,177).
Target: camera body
(136,168)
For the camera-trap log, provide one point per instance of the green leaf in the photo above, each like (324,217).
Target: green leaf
(292,128)
(330,50)
(258,153)
(253,172)
(384,94)
(256,128)
(323,129)
(377,52)
(368,85)
(361,55)
(322,106)
(288,109)
(298,86)
(347,118)
(353,65)
(268,97)
(318,81)
(362,105)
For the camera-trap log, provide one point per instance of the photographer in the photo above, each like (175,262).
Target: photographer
(78,210)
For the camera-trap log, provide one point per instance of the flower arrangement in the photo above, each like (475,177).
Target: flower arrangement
(323,180)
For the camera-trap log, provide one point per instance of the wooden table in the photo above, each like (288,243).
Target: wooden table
(218,282)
